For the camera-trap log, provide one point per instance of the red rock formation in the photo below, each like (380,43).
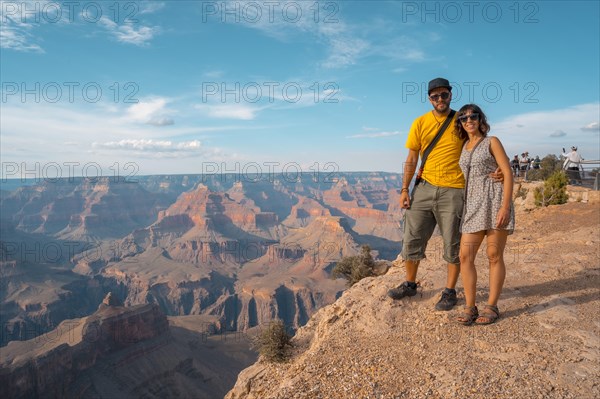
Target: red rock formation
(83,208)
(372,210)
(304,212)
(225,213)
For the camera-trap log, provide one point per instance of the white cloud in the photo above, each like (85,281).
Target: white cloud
(152,112)
(15,30)
(36,133)
(150,145)
(65,133)
(322,21)
(15,38)
(127,33)
(345,43)
(591,127)
(229,111)
(149,7)
(345,51)
(144,110)
(18,21)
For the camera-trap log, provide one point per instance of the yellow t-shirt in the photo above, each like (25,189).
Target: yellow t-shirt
(441,168)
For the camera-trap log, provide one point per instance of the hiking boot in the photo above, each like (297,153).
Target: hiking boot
(448,300)
(404,289)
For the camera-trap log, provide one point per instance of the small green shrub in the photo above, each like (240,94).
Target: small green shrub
(554,191)
(273,341)
(550,164)
(355,268)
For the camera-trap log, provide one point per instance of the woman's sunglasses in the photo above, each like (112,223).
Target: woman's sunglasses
(473,117)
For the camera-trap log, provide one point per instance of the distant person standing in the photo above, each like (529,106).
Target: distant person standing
(537,162)
(571,165)
(488,211)
(523,165)
(515,165)
(524,161)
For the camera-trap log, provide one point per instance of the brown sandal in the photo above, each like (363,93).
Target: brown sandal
(488,315)
(468,315)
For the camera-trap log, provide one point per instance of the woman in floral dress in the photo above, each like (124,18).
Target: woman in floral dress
(488,211)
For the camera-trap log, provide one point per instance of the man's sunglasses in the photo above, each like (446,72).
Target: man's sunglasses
(474,117)
(445,95)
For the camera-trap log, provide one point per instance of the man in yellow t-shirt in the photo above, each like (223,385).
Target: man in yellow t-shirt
(438,199)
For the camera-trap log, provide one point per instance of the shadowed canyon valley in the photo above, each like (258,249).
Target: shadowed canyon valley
(188,258)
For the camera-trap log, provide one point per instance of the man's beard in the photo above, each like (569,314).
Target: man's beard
(443,107)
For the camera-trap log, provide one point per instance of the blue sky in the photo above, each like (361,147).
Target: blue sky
(192,87)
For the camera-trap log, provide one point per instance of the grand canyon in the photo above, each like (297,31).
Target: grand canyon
(207,256)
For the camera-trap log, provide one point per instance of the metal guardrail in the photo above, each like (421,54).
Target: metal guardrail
(586,174)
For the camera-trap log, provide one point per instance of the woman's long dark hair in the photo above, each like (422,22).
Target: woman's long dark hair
(484,127)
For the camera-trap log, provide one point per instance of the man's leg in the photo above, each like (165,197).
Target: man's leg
(419,224)
(453,273)
(448,211)
(411,269)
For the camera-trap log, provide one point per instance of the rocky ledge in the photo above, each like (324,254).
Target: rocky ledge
(545,345)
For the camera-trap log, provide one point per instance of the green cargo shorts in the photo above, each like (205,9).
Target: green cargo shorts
(433,205)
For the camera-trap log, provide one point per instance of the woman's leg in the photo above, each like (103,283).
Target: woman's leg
(469,245)
(496,242)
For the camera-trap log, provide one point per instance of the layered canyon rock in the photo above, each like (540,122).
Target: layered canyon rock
(80,209)
(122,352)
(242,251)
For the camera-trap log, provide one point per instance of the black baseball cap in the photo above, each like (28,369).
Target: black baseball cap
(438,82)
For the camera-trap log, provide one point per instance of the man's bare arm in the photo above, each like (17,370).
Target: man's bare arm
(410,165)
(497,175)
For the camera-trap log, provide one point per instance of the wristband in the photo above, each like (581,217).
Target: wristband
(403,190)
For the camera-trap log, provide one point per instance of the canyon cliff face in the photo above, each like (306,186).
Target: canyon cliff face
(37,288)
(122,352)
(240,251)
(49,364)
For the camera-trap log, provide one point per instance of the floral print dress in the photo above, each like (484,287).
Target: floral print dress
(483,196)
